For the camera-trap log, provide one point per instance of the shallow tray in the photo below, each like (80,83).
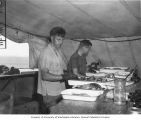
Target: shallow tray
(106,85)
(82,95)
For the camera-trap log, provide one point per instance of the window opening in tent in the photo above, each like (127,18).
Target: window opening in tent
(15,55)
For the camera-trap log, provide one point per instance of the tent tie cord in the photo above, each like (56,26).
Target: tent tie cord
(102,40)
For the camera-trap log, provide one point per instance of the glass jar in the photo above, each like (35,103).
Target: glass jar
(120,91)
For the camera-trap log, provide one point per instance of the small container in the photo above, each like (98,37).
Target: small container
(120,91)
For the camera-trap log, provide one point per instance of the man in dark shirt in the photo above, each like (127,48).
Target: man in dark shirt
(78,64)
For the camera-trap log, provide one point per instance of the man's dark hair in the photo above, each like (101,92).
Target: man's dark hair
(86,43)
(58,31)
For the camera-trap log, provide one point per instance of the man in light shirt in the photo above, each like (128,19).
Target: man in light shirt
(51,69)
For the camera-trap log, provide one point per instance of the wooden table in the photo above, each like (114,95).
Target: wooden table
(101,106)
(23,103)
(7,79)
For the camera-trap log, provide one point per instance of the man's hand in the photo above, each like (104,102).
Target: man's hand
(81,77)
(68,77)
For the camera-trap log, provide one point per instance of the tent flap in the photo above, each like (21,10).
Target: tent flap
(80,18)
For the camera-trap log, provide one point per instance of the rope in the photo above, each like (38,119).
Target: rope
(98,39)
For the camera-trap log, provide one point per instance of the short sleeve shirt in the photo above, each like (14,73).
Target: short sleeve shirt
(79,62)
(51,60)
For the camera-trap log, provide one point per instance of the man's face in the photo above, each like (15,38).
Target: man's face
(86,50)
(57,41)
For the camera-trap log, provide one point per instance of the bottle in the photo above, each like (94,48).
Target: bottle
(119,91)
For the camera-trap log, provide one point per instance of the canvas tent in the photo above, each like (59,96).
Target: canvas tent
(113,26)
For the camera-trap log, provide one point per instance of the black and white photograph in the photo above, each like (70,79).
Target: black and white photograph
(70,59)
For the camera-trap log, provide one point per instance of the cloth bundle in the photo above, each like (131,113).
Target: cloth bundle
(4,70)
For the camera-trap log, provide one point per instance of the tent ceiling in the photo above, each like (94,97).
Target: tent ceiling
(80,18)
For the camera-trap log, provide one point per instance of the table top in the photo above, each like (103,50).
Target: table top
(3,77)
(102,105)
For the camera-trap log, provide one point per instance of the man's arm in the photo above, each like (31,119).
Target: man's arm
(46,76)
(75,71)
(44,63)
(74,64)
